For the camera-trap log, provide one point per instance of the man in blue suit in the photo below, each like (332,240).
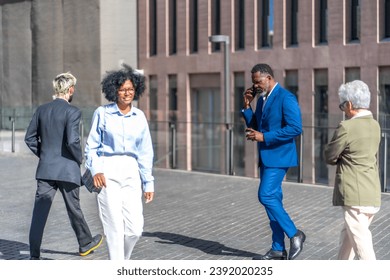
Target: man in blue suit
(274,125)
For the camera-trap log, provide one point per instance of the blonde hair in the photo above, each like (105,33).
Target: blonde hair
(62,83)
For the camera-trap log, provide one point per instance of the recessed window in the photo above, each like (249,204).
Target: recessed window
(216,22)
(264,23)
(172,27)
(321,21)
(292,23)
(193,26)
(353,20)
(239,24)
(153,27)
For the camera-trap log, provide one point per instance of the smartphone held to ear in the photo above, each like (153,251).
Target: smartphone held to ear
(255,91)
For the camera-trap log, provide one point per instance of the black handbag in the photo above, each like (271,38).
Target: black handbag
(87,178)
(87,181)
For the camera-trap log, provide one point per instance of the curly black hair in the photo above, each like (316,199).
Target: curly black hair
(115,79)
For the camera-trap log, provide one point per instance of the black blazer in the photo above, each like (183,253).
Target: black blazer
(53,135)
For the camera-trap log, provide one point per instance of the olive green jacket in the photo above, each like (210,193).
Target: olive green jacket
(353,149)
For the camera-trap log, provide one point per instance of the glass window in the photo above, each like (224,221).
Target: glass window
(384,96)
(291,84)
(172,84)
(216,22)
(193,26)
(292,23)
(239,125)
(153,92)
(264,23)
(383,118)
(384,19)
(172,27)
(153,27)
(351,74)
(321,124)
(321,21)
(353,20)
(239,24)
(387,19)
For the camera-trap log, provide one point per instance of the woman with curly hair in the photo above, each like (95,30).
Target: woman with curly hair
(119,154)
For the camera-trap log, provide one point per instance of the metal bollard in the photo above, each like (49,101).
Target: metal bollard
(173,141)
(384,135)
(12,119)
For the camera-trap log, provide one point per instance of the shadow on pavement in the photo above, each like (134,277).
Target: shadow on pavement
(58,252)
(14,250)
(207,246)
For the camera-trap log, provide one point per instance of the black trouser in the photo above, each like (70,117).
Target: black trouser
(44,196)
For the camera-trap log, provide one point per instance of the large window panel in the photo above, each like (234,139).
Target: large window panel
(152,27)
(321,124)
(216,22)
(321,22)
(194,29)
(172,27)
(351,74)
(292,23)
(384,117)
(292,85)
(353,20)
(264,23)
(239,23)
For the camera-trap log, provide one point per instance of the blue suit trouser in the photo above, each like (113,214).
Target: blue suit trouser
(271,197)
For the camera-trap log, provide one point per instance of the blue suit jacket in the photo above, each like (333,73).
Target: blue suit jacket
(280,121)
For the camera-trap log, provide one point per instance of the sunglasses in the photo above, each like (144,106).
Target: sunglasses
(342,105)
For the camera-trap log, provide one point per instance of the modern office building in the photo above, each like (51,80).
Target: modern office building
(313,46)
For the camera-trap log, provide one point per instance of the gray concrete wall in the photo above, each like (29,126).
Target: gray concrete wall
(66,38)
(16,54)
(42,38)
(47,47)
(1,60)
(118,34)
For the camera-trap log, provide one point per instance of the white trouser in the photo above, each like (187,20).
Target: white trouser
(356,238)
(120,206)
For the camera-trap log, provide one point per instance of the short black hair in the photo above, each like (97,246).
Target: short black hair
(113,80)
(263,69)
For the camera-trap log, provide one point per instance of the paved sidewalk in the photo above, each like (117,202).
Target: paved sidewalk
(195,216)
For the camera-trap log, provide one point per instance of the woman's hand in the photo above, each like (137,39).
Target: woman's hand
(99,180)
(148,196)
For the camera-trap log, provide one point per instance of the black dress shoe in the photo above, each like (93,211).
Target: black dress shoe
(296,245)
(35,258)
(272,255)
(96,241)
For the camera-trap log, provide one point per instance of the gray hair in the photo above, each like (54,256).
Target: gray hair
(62,83)
(356,92)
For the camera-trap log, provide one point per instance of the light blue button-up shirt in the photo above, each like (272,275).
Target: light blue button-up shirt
(113,133)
